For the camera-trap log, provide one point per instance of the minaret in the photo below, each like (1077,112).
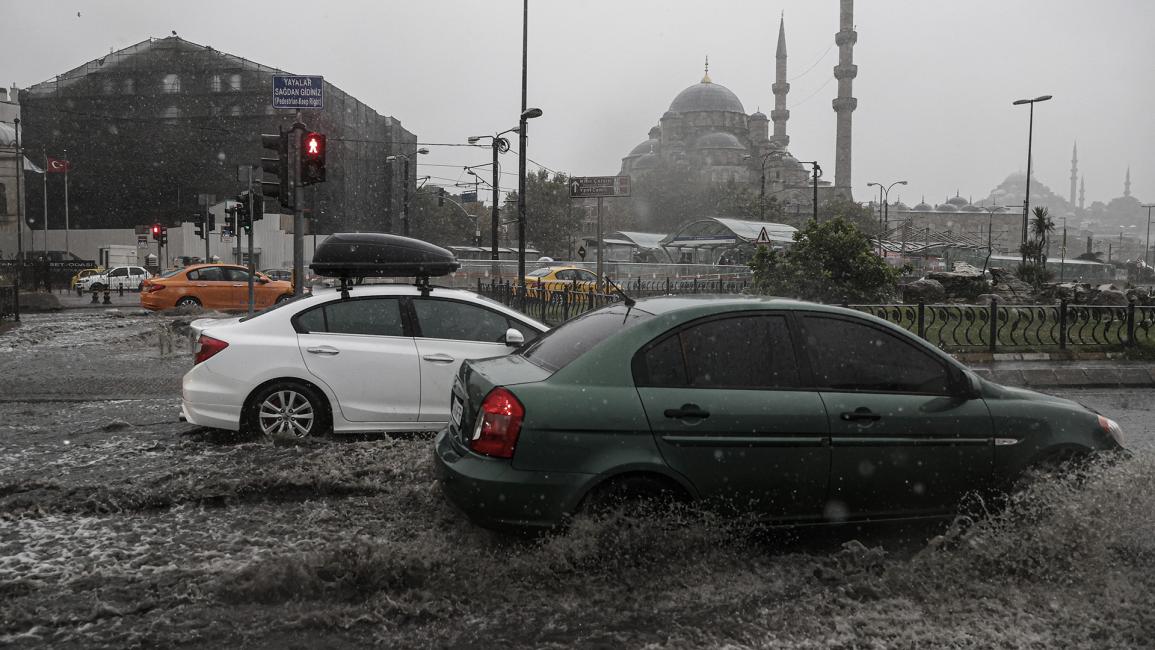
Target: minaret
(1082,193)
(1074,172)
(779,115)
(844,104)
(1127,183)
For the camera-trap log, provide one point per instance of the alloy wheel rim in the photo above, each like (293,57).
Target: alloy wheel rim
(286,412)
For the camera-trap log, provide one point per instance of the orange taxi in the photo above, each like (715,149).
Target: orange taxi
(223,287)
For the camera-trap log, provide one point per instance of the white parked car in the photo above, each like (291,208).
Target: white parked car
(127,277)
(379,358)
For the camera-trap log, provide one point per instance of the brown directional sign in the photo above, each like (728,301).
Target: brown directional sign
(594,186)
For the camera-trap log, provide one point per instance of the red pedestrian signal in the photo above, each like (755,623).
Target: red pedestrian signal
(313,158)
(156,231)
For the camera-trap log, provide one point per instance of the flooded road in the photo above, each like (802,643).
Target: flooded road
(121,527)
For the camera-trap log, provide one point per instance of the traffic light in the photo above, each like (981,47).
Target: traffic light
(243,221)
(163,235)
(258,208)
(312,158)
(440,196)
(199,226)
(156,232)
(212,222)
(278,188)
(231,219)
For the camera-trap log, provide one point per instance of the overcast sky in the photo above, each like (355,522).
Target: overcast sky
(935,84)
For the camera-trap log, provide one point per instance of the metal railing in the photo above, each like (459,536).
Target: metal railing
(1022,327)
(9,305)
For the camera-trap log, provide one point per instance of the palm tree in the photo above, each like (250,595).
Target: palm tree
(1041,225)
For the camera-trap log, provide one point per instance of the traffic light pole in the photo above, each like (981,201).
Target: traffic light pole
(205,229)
(252,265)
(299,130)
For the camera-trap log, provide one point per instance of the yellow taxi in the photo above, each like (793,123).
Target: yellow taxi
(561,278)
(224,287)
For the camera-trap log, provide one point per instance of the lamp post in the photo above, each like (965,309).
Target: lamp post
(884,209)
(1030,134)
(526,114)
(762,192)
(1147,246)
(405,187)
(499,145)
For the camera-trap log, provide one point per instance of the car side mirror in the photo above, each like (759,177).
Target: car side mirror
(514,337)
(262,279)
(967,385)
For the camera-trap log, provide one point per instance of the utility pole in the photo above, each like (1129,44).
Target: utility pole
(495,224)
(252,266)
(19,217)
(299,129)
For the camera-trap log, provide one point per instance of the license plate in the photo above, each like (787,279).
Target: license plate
(455,411)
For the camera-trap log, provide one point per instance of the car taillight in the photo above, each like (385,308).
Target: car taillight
(498,424)
(207,346)
(153,287)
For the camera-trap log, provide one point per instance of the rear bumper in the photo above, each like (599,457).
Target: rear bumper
(495,495)
(212,400)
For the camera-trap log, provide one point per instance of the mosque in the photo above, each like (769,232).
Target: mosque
(708,130)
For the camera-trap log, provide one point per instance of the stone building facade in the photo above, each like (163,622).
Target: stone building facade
(153,128)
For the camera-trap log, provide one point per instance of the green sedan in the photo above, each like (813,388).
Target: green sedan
(798,412)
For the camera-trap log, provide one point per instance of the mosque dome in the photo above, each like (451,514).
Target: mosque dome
(649,146)
(924,207)
(970,208)
(718,140)
(957,201)
(900,206)
(647,161)
(947,207)
(706,96)
(759,116)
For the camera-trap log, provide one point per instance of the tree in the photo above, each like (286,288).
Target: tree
(552,220)
(1034,251)
(445,225)
(1041,226)
(831,261)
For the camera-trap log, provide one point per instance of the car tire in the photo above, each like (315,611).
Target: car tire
(287,407)
(632,495)
(283,297)
(188,301)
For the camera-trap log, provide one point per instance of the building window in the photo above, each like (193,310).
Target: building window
(235,82)
(170,114)
(215,83)
(235,110)
(171,84)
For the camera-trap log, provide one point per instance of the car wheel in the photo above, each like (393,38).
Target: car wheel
(97,287)
(287,408)
(633,496)
(188,301)
(283,297)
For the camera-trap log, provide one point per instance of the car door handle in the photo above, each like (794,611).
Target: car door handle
(439,358)
(688,411)
(324,349)
(861,413)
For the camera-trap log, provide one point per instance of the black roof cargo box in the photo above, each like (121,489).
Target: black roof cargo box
(379,255)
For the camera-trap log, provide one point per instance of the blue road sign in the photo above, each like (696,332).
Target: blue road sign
(291,91)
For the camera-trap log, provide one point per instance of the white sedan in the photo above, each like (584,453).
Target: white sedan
(381,359)
(118,277)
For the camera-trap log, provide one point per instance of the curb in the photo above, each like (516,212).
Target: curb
(1071,377)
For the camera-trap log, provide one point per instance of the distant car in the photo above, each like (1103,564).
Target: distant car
(84,274)
(377,358)
(792,411)
(561,278)
(118,277)
(223,287)
(279,274)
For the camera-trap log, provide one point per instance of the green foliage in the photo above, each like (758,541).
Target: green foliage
(865,218)
(444,225)
(831,261)
(553,220)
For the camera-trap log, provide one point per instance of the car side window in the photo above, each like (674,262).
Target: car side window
(853,356)
(447,319)
(236,275)
(742,352)
(117,273)
(586,276)
(207,274)
(565,275)
(368,316)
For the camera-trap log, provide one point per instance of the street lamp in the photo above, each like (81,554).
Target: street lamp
(405,186)
(1030,134)
(1147,246)
(817,172)
(762,192)
(884,218)
(499,145)
(526,114)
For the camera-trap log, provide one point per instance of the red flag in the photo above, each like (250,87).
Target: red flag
(58,165)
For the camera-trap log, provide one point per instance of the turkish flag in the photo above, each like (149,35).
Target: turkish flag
(58,165)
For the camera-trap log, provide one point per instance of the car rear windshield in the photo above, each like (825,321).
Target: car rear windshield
(561,345)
